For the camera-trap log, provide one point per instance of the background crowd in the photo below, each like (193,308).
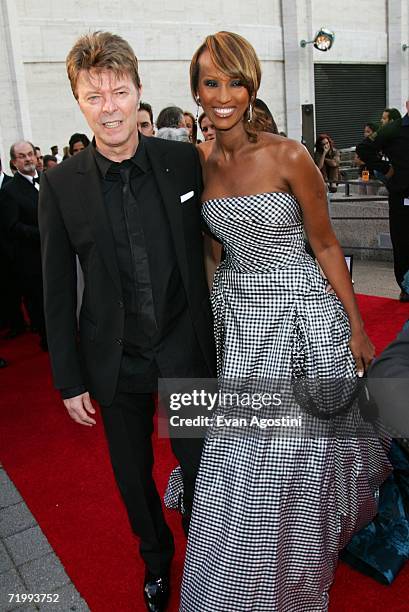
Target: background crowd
(383,156)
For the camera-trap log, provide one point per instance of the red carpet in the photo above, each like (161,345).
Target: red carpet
(62,470)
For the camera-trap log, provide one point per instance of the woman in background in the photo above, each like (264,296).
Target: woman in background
(191,126)
(78,142)
(327,159)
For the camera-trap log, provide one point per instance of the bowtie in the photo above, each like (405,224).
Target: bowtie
(36,179)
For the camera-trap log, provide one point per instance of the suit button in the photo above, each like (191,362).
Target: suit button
(120,304)
(119,341)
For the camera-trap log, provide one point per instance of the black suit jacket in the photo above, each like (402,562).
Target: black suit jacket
(388,382)
(372,158)
(393,141)
(73,220)
(6,179)
(6,246)
(19,220)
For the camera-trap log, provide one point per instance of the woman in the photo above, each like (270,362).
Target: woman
(270,124)
(271,513)
(327,159)
(206,127)
(191,126)
(77,143)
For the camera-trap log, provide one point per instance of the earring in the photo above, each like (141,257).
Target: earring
(250,114)
(197,110)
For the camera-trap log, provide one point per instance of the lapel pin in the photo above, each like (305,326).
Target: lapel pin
(166,169)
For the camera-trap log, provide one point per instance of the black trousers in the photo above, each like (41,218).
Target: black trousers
(31,288)
(11,315)
(128,423)
(399,231)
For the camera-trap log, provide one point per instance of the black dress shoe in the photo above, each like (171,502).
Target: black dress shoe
(156,592)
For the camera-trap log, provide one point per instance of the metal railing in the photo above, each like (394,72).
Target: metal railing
(361,183)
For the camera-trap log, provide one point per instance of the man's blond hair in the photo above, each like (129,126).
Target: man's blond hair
(99,51)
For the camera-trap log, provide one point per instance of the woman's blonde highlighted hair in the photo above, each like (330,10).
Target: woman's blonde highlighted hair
(101,51)
(235,57)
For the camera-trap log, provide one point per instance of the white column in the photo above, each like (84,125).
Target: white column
(298,61)
(398,60)
(14,114)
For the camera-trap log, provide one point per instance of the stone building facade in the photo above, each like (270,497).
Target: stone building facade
(35,36)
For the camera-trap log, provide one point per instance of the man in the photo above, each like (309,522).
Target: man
(10,310)
(378,167)
(370,130)
(389,115)
(388,382)
(393,141)
(207,127)
(129,206)
(54,152)
(145,119)
(19,213)
(49,162)
(4,178)
(40,163)
(171,117)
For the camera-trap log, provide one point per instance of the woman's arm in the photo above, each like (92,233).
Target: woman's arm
(212,256)
(320,159)
(333,161)
(306,183)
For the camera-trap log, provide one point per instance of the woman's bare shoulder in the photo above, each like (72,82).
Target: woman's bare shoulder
(280,144)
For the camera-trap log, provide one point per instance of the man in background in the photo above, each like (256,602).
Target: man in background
(19,214)
(392,140)
(4,178)
(145,119)
(11,317)
(49,162)
(54,152)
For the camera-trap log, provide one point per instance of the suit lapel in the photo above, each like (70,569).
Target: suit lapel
(163,169)
(27,186)
(90,195)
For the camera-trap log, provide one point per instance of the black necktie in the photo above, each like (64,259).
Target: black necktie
(36,179)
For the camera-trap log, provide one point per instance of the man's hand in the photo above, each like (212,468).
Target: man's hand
(78,408)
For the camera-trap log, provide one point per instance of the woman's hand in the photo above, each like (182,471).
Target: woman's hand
(363,351)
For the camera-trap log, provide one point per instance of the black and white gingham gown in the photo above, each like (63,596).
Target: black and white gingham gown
(270,515)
